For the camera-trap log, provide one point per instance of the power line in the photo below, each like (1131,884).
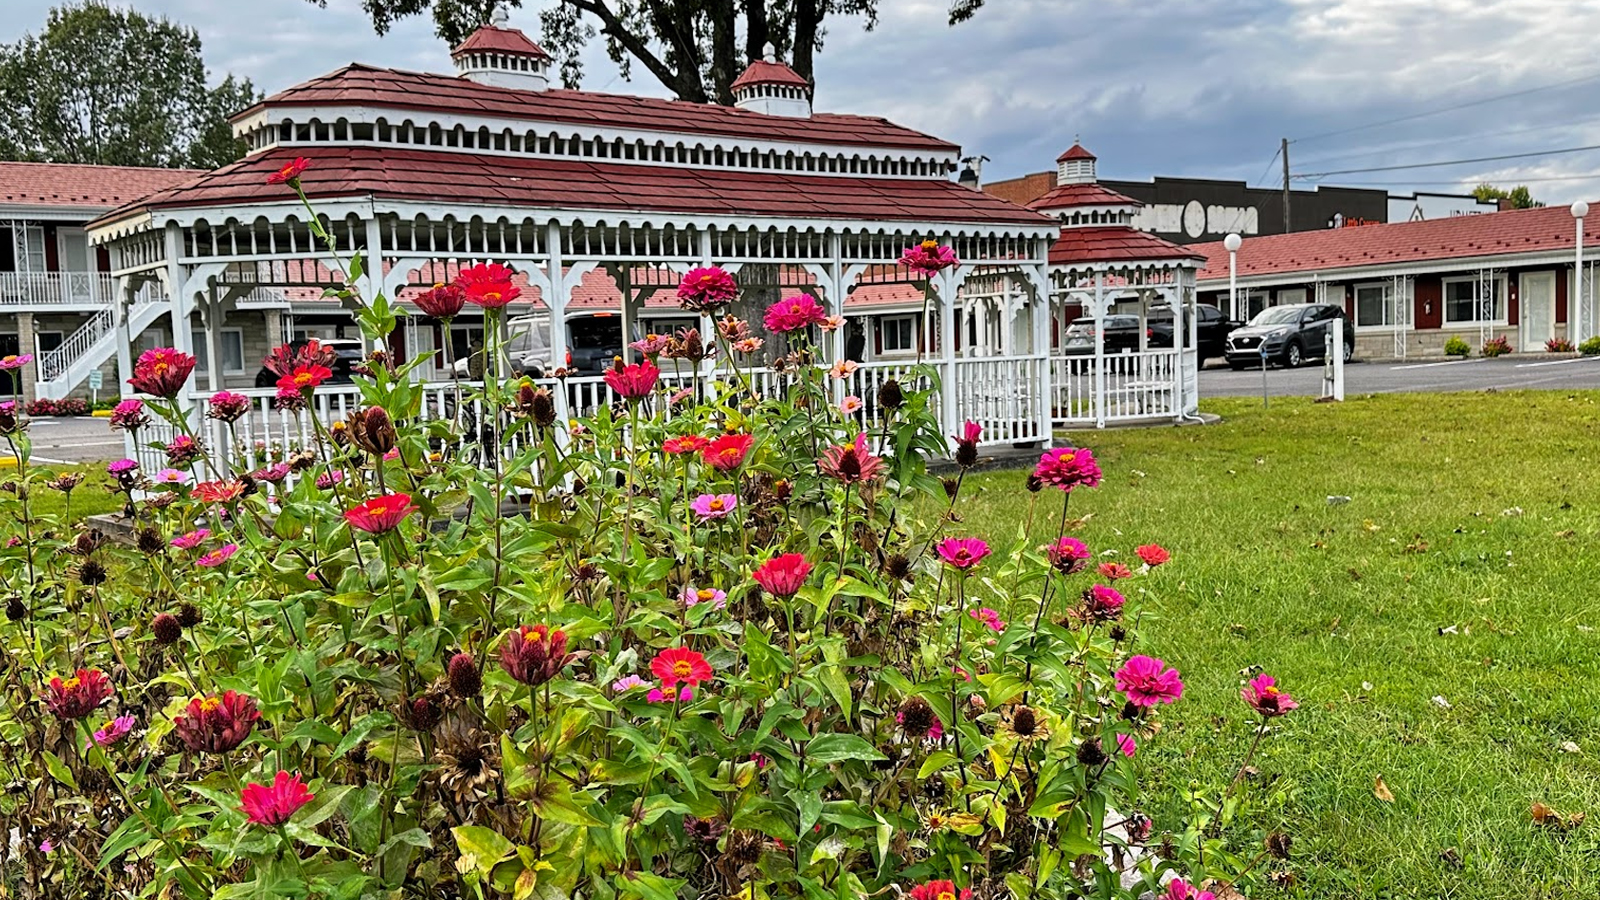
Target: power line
(1412,145)
(1449,162)
(1535,180)
(1444,109)
(1274,159)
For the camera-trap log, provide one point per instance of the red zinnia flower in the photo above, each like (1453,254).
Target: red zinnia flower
(443,302)
(272,806)
(78,695)
(380,514)
(940,890)
(218,491)
(534,654)
(851,463)
(1067,468)
(285,358)
(1153,554)
(782,576)
(727,453)
(216,724)
(162,372)
(794,314)
(291,171)
(635,381)
(963,553)
(488,285)
(706,288)
(1112,571)
(1264,697)
(304,378)
(689,443)
(680,664)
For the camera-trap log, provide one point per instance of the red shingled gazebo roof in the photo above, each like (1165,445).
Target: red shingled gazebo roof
(490,39)
(369,86)
(425,176)
(1113,243)
(1542,230)
(1088,193)
(62,184)
(763,72)
(1076,151)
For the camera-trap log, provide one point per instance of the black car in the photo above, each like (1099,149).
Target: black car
(1288,335)
(347,354)
(1212,328)
(1121,333)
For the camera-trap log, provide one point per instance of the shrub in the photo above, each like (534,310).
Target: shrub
(1558,345)
(1497,346)
(1455,346)
(1590,346)
(71,406)
(721,652)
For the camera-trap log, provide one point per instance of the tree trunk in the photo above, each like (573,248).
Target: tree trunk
(806,21)
(724,61)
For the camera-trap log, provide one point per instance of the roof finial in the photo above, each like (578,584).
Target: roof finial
(499,17)
(769,53)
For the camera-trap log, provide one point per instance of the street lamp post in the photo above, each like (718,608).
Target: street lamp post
(1581,325)
(1232,242)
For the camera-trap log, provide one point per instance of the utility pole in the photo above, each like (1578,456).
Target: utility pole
(1285,154)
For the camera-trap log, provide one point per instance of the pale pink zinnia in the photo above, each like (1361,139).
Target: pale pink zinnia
(850,406)
(963,553)
(1147,681)
(844,368)
(692,596)
(714,506)
(628,683)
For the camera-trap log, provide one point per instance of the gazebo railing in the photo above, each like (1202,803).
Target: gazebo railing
(1133,385)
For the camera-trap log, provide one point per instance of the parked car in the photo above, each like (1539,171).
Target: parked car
(1121,333)
(1212,328)
(348,354)
(1288,335)
(592,343)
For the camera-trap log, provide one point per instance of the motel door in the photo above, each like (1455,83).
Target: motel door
(1537,305)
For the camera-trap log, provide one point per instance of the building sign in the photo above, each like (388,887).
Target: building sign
(1197,220)
(1340,220)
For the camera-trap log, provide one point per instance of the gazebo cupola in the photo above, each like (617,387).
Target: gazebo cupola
(772,88)
(1079,200)
(502,57)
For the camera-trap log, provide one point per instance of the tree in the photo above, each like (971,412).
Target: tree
(1519,196)
(113,87)
(695,48)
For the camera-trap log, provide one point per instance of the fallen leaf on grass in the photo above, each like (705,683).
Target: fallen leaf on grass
(1381,790)
(1441,701)
(1371,525)
(1569,533)
(1549,817)
(1450,857)
(1448,629)
(1569,747)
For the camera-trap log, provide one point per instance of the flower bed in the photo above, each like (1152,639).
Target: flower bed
(717,656)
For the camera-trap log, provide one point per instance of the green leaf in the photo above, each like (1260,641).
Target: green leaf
(485,846)
(833,679)
(413,837)
(323,808)
(649,886)
(936,760)
(359,731)
(832,748)
(557,805)
(810,805)
(59,770)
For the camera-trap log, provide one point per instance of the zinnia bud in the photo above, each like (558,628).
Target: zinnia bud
(465,680)
(372,430)
(15,609)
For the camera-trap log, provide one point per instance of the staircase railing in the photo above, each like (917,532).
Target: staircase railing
(54,363)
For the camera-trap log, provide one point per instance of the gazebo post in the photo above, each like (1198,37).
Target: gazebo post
(556,302)
(948,407)
(210,316)
(1041,313)
(1099,348)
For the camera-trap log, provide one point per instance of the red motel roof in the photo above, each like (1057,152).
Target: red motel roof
(60,184)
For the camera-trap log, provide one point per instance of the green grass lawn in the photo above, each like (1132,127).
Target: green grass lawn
(1476,513)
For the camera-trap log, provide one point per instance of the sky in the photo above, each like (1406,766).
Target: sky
(1199,88)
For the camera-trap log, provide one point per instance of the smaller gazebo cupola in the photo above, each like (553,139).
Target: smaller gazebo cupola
(1076,166)
(772,88)
(502,57)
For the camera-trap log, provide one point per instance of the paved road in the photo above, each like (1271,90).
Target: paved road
(1401,377)
(83,439)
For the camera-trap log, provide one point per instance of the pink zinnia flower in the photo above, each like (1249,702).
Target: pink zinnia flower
(329,479)
(704,289)
(680,664)
(794,314)
(679,446)
(1178,889)
(714,506)
(380,514)
(162,372)
(129,415)
(635,381)
(1102,603)
(1068,468)
(171,476)
(14,362)
(1112,571)
(833,323)
(444,301)
(843,369)
(191,540)
(1264,697)
(939,890)
(113,732)
(928,257)
(1147,681)
(227,406)
(727,452)
(628,683)
(1068,555)
(990,618)
(1127,745)
(78,694)
(1153,554)
(851,463)
(783,576)
(963,553)
(273,806)
(217,557)
(657,695)
(692,596)
(652,344)
(850,406)
(290,172)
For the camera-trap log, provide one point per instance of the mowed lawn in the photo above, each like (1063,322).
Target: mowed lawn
(1441,628)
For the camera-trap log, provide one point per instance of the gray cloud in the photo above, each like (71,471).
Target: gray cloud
(1170,87)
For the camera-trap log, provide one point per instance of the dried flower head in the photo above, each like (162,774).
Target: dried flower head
(189,615)
(166,629)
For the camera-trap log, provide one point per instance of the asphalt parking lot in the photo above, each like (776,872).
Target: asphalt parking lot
(1401,376)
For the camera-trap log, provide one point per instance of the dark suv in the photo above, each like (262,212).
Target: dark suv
(1212,329)
(1121,333)
(1288,335)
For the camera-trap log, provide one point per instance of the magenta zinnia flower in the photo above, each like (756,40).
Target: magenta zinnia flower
(217,557)
(1102,603)
(714,506)
(14,362)
(444,301)
(216,724)
(928,257)
(1068,468)
(1178,889)
(534,654)
(988,617)
(129,415)
(380,514)
(851,463)
(78,695)
(273,806)
(191,540)
(1068,555)
(227,406)
(1127,744)
(704,289)
(488,285)
(113,732)
(1147,681)
(782,576)
(794,314)
(963,553)
(162,372)
(1264,697)
(635,381)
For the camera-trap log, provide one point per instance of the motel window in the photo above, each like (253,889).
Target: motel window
(1375,307)
(1255,302)
(232,351)
(1469,301)
(28,247)
(899,334)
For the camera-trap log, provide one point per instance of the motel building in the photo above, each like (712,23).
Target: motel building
(601,203)
(1411,286)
